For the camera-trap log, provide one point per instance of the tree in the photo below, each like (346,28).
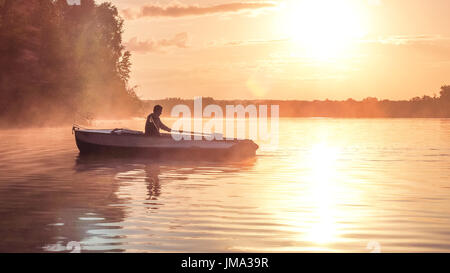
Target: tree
(58,59)
(445,93)
(124,66)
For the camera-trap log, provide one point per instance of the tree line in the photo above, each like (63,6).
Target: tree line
(371,107)
(61,63)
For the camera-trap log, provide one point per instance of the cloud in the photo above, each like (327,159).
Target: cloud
(128,14)
(410,40)
(179,40)
(180,11)
(256,42)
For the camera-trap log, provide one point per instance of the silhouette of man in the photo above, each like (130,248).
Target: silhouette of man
(153,123)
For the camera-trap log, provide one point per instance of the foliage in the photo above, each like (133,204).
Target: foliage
(59,61)
(417,107)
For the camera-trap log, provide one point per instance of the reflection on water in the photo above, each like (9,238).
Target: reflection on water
(157,198)
(332,185)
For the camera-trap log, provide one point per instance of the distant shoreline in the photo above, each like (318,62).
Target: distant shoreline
(424,107)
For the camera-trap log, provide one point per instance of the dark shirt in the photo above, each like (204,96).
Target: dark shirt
(153,124)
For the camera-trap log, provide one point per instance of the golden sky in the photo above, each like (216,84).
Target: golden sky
(288,49)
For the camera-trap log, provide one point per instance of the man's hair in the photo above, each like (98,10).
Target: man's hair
(157,108)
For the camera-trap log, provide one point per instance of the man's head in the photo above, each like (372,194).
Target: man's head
(157,110)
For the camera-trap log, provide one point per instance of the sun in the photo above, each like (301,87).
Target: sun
(323,29)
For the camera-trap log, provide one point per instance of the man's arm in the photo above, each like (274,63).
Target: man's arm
(163,126)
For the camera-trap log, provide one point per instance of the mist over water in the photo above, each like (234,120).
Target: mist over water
(332,185)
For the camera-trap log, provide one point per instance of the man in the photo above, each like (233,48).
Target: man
(153,123)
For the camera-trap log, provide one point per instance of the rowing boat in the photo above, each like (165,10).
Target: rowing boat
(130,142)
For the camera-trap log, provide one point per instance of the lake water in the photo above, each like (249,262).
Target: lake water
(339,185)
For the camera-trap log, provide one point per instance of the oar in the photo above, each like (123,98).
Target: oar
(203,134)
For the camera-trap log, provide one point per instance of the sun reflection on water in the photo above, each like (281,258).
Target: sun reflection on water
(323,188)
